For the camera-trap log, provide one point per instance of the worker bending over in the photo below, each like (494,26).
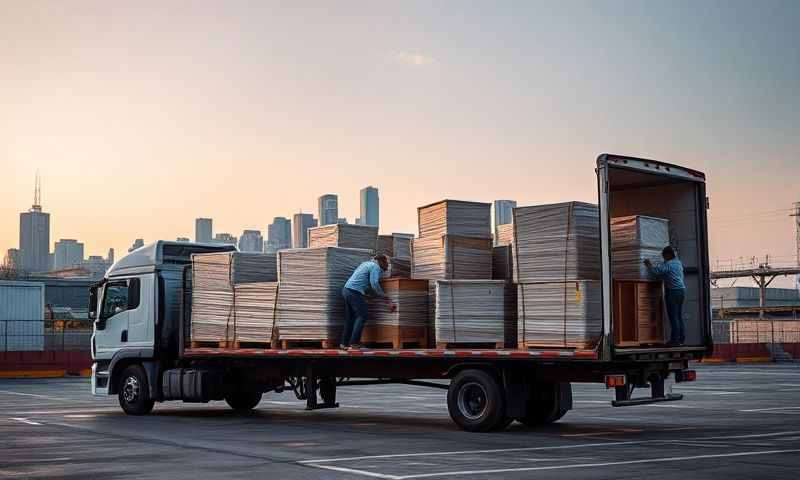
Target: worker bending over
(366,277)
(671,272)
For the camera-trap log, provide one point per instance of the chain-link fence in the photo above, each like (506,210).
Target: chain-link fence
(45,335)
(745,330)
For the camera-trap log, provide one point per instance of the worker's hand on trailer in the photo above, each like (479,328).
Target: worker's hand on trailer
(647,263)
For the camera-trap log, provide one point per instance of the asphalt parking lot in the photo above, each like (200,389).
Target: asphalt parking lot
(735,422)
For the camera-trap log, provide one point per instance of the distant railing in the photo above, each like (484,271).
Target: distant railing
(746,330)
(45,335)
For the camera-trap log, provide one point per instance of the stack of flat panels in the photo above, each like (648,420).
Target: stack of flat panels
(505,234)
(214,278)
(502,263)
(411,298)
(400,267)
(255,311)
(385,245)
(452,257)
(634,239)
(560,314)
(475,311)
(455,217)
(343,235)
(310,304)
(402,245)
(558,242)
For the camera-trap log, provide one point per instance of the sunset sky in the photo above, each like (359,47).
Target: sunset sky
(144,115)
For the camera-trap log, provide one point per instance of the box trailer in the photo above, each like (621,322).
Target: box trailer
(142,354)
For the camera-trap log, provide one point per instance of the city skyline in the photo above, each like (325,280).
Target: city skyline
(478,113)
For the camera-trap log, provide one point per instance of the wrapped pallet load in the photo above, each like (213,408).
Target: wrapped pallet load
(310,304)
(405,325)
(343,235)
(455,217)
(475,312)
(556,262)
(397,247)
(217,281)
(452,257)
(633,239)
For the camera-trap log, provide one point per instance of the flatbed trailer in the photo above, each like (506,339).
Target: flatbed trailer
(142,352)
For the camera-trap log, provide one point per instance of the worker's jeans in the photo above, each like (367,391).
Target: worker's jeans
(355,316)
(674,300)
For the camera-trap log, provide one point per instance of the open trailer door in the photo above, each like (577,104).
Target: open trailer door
(630,186)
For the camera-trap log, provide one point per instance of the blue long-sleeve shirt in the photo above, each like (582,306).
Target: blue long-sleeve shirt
(671,272)
(366,275)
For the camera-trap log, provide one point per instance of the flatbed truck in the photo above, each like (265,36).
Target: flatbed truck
(141,322)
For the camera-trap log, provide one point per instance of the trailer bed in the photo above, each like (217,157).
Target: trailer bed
(379,352)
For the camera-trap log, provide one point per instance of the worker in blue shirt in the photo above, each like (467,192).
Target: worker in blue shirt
(366,277)
(671,272)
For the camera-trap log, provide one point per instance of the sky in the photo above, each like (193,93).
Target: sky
(141,116)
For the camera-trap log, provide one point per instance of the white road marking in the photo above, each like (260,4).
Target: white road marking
(25,420)
(600,464)
(9,392)
(768,409)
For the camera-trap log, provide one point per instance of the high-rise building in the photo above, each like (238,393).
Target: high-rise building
(370,206)
(328,209)
(110,259)
(341,221)
(251,241)
(34,235)
(138,243)
(503,213)
(300,225)
(68,253)
(203,230)
(183,239)
(11,260)
(96,265)
(224,238)
(279,234)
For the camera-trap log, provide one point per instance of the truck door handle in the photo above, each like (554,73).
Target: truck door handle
(124,336)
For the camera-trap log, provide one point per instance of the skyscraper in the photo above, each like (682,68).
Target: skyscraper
(328,209)
(224,238)
(68,253)
(110,258)
(251,241)
(34,236)
(370,205)
(279,234)
(203,230)
(300,225)
(503,213)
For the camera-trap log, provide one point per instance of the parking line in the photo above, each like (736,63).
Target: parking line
(9,392)
(24,420)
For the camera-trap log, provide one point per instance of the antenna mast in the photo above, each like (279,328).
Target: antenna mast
(37,194)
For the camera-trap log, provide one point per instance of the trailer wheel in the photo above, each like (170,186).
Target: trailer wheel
(242,401)
(545,405)
(475,401)
(134,391)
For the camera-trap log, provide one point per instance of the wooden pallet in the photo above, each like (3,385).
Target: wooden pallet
(397,336)
(470,345)
(306,343)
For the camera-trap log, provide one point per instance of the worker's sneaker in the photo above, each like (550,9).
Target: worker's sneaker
(342,346)
(355,346)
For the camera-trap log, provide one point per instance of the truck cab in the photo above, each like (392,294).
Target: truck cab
(136,310)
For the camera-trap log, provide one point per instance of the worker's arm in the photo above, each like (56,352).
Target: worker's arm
(375,280)
(657,269)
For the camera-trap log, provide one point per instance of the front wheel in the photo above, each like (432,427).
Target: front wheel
(476,402)
(134,391)
(243,401)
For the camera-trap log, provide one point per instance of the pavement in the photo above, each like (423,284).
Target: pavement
(736,421)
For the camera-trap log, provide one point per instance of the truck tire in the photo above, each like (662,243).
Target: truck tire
(475,401)
(242,401)
(134,391)
(544,407)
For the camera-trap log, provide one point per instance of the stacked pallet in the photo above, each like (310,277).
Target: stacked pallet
(556,262)
(217,280)
(638,313)
(343,235)
(396,245)
(400,267)
(256,311)
(455,217)
(471,312)
(310,303)
(408,323)
(633,239)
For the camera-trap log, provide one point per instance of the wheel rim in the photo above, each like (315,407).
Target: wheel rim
(472,401)
(130,389)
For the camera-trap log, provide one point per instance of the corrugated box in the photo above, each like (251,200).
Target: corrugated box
(344,236)
(560,314)
(475,311)
(556,243)
(310,303)
(452,257)
(634,239)
(455,217)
